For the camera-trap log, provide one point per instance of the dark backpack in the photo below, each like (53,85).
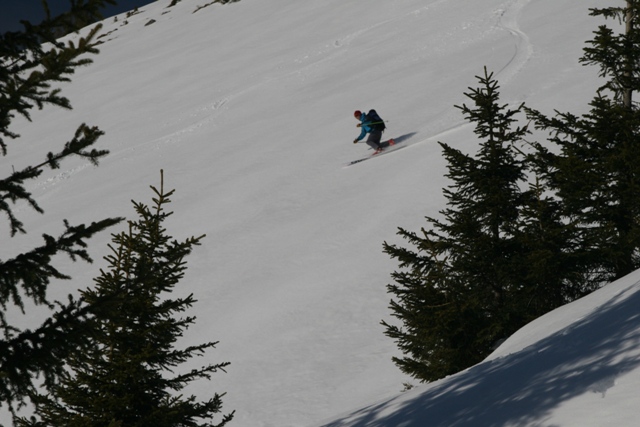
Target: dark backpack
(378,123)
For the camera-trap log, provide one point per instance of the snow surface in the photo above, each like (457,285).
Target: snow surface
(248,109)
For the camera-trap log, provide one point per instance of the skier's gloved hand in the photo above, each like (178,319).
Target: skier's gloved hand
(355,141)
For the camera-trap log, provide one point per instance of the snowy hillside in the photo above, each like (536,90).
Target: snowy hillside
(577,366)
(248,109)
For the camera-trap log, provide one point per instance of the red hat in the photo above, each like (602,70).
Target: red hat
(357,113)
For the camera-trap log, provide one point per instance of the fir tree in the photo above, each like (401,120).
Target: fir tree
(30,62)
(594,168)
(551,271)
(457,292)
(128,377)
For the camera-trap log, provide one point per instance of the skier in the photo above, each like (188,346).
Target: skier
(372,126)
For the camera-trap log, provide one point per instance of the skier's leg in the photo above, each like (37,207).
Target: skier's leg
(374,139)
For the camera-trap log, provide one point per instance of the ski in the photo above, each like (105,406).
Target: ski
(388,147)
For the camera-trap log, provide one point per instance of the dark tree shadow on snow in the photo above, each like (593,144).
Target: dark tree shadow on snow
(523,388)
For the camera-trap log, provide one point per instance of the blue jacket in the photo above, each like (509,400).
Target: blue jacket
(365,126)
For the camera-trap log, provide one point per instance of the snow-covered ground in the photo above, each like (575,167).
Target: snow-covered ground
(248,109)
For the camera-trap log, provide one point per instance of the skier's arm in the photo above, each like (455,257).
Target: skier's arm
(363,133)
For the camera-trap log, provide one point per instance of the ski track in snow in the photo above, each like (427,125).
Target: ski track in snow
(522,45)
(508,16)
(206,114)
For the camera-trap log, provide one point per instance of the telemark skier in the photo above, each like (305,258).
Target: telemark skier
(371,124)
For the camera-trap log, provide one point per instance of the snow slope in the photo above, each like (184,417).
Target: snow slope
(248,109)
(576,366)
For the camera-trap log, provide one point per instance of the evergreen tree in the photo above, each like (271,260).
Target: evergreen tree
(594,168)
(457,292)
(549,266)
(127,378)
(30,62)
